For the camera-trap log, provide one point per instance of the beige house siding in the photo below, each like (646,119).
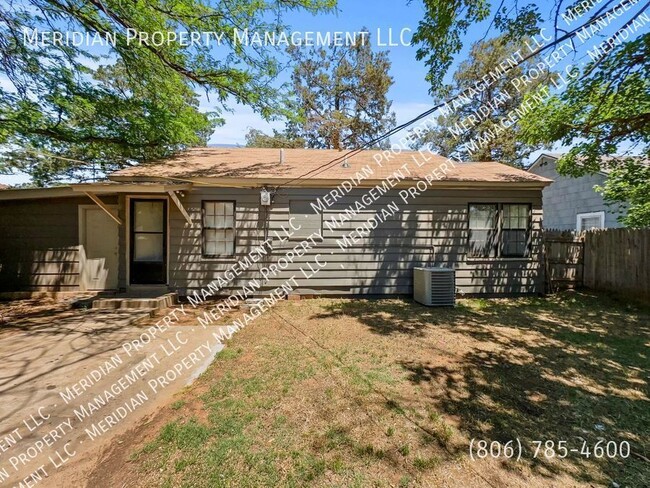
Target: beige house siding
(431,230)
(39,243)
(40,238)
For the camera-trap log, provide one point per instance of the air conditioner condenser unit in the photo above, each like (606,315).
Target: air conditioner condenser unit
(434,287)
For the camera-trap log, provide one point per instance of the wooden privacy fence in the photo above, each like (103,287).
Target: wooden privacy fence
(604,259)
(563,259)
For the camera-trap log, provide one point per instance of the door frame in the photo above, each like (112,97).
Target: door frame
(127,237)
(81,209)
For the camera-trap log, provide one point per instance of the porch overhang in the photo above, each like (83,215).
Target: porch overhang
(93,190)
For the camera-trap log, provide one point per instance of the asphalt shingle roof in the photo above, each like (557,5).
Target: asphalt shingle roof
(264,164)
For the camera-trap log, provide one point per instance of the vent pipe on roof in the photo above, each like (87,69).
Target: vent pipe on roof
(345,163)
(281,156)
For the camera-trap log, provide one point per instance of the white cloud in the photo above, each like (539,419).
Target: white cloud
(17,179)
(6,85)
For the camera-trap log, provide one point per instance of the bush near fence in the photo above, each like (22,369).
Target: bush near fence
(601,259)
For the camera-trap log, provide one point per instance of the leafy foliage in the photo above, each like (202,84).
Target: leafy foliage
(132,101)
(341,95)
(629,182)
(496,102)
(441,31)
(599,114)
(257,138)
(99,125)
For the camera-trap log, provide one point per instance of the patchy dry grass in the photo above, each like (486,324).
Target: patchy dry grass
(390,393)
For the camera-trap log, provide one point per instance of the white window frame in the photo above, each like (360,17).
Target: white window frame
(590,215)
(205,255)
(128,238)
(498,249)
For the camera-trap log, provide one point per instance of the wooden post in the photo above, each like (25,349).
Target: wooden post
(101,205)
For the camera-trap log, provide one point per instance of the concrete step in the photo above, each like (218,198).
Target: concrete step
(118,303)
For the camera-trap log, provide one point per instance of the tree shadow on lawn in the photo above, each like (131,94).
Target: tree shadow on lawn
(567,368)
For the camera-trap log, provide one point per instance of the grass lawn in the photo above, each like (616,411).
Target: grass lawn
(333,392)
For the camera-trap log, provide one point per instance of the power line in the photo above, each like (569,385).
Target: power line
(353,152)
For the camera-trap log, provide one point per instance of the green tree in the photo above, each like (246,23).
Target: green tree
(82,129)
(341,94)
(474,119)
(629,182)
(257,138)
(602,111)
(599,114)
(60,111)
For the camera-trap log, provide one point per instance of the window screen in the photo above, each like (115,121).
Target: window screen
(591,221)
(148,230)
(482,230)
(505,224)
(218,228)
(514,232)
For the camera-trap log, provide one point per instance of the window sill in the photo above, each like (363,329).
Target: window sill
(224,259)
(474,260)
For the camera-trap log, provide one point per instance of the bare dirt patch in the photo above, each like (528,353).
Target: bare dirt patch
(13,312)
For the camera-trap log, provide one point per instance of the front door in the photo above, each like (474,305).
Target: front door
(98,252)
(148,244)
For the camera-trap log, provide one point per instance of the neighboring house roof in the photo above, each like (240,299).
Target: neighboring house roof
(604,170)
(3,187)
(264,164)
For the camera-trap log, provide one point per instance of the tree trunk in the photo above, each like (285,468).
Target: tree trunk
(336,133)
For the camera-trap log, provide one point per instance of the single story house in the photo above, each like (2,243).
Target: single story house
(353,225)
(573,203)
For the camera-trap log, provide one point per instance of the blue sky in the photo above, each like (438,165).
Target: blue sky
(409,92)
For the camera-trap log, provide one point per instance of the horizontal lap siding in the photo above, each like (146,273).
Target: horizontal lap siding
(39,244)
(39,247)
(430,230)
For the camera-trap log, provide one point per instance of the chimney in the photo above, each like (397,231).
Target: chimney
(281,156)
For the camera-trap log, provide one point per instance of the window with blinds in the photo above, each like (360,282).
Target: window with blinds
(499,230)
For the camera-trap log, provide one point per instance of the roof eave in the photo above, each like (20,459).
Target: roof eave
(30,193)
(539,160)
(320,183)
(130,187)
(80,189)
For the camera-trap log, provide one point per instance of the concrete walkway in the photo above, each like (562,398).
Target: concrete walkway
(71,382)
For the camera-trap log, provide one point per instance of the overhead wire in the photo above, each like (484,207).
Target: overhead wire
(318,170)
